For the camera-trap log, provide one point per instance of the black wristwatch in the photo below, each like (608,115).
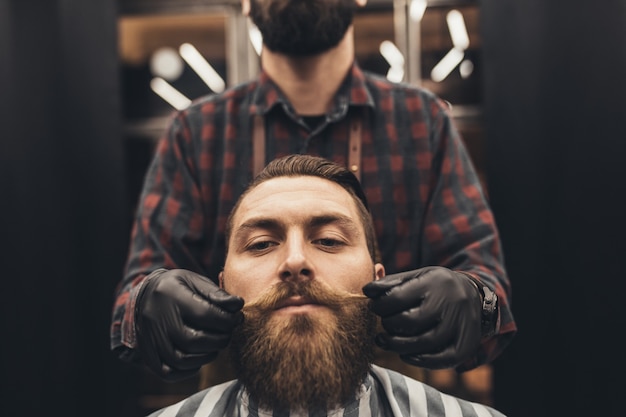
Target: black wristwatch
(489,311)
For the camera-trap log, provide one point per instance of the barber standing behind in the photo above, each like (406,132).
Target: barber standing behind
(446,302)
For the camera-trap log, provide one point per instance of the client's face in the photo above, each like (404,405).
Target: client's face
(298,257)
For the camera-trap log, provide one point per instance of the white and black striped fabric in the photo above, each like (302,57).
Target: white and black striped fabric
(385,393)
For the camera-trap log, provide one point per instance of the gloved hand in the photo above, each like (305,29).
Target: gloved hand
(183,320)
(431,316)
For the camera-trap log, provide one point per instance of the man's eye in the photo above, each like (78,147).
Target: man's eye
(260,246)
(329,243)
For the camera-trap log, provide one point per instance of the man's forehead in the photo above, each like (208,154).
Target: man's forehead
(293,185)
(312,195)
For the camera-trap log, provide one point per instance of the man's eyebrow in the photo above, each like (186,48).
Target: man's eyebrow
(259,223)
(344,222)
(239,233)
(316,221)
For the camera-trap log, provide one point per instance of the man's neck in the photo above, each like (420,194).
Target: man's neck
(311,82)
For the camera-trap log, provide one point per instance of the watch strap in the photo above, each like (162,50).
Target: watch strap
(489,307)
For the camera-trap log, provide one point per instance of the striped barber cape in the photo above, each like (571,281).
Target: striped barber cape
(385,393)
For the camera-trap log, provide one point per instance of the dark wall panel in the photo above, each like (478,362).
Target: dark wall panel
(63,208)
(556,138)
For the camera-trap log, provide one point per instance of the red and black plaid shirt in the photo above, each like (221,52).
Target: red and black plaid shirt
(423,191)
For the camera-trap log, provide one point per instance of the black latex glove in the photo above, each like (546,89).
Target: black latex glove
(183,320)
(431,316)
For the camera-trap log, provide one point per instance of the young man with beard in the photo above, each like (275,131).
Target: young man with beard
(300,248)
(311,97)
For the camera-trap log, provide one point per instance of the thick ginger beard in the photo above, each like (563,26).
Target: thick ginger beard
(304,361)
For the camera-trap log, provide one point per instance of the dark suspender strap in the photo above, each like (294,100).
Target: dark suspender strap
(354,151)
(258,145)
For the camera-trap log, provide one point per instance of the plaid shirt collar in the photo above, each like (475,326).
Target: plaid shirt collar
(352,92)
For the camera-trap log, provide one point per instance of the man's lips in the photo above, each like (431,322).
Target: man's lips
(295,301)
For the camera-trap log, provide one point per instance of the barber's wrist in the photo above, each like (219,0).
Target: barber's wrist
(489,307)
(135,307)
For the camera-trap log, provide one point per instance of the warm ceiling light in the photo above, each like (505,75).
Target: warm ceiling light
(466,68)
(395,74)
(168,93)
(167,64)
(447,64)
(395,59)
(200,65)
(417,9)
(460,40)
(391,53)
(255,37)
(458,31)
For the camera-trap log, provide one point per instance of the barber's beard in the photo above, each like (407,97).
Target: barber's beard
(302,27)
(304,361)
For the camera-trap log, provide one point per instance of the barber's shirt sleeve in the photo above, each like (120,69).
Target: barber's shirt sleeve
(460,228)
(167,229)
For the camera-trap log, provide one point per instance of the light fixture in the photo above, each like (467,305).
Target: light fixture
(466,68)
(255,37)
(446,65)
(454,57)
(395,59)
(458,31)
(168,93)
(200,65)
(167,64)
(417,9)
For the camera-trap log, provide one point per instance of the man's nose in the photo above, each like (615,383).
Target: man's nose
(296,264)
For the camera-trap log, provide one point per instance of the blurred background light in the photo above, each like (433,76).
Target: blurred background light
(395,59)
(454,57)
(458,31)
(466,68)
(446,65)
(417,9)
(255,37)
(201,66)
(168,93)
(167,64)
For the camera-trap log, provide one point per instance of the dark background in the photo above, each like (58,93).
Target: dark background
(554,105)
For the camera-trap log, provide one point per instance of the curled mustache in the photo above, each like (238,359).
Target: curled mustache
(303,362)
(310,290)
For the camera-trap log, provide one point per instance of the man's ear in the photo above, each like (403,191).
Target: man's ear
(220,278)
(379,271)
(245,7)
